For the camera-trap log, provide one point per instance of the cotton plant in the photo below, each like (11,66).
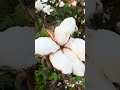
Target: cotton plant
(41,5)
(66,54)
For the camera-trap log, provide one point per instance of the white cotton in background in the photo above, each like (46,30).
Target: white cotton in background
(44,0)
(45,46)
(77,46)
(64,30)
(60,62)
(42,6)
(38,5)
(52,1)
(47,9)
(77,65)
(61,4)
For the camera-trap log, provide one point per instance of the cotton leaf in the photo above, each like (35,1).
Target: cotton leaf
(77,66)
(61,62)
(77,46)
(45,46)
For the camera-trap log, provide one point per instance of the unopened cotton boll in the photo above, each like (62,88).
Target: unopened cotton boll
(77,65)
(77,46)
(61,62)
(45,46)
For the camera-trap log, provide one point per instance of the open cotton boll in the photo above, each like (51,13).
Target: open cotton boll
(45,46)
(61,4)
(61,36)
(38,5)
(64,30)
(60,62)
(77,46)
(77,66)
(44,0)
(47,9)
(68,24)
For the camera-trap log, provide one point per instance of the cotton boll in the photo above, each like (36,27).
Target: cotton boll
(45,46)
(44,0)
(61,36)
(68,24)
(77,46)
(77,65)
(44,7)
(47,9)
(38,5)
(61,4)
(64,30)
(52,1)
(61,62)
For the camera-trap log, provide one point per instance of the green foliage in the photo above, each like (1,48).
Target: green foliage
(61,13)
(43,74)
